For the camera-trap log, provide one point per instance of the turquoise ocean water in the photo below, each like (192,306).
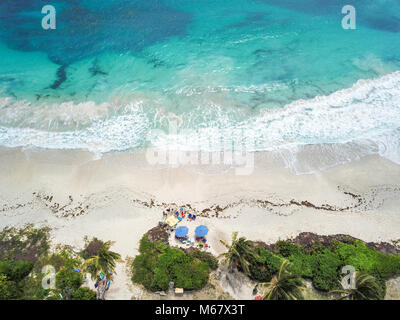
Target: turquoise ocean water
(282,72)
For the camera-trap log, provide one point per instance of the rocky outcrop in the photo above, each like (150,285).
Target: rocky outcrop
(159,233)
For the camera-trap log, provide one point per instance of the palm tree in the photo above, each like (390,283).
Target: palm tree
(104,261)
(239,253)
(366,288)
(284,285)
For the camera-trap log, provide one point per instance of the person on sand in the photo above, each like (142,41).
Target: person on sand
(255,290)
(70,198)
(101,288)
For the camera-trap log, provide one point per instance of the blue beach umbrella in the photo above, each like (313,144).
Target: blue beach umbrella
(201,231)
(181,231)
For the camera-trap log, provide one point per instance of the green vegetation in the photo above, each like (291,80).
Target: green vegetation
(206,257)
(367,259)
(68,279)
(60,258)
(20,250)
(366,288)
(99,258)
(23,254)
(83,293)
(8,288)
(158,264)
(15,270)
(26,244)
(285,285)
(322,265)
(239,255)
(264,265)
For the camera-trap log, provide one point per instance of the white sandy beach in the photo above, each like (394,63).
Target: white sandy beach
(117,199)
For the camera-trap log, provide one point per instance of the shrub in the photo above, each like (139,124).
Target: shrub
(15,270)
(84,294)
(27,243)
(8,288)
(157,265)
(18,283)
(272,261)
(301,264)
(320,264)
(205,257)
(259,272)
(286,249)
(160,281)
(325,270)
(68,279)
(186,272)
(145,263)
(191,274)
(31,288)
(61,258)
(264,266)
(323,266)
(368,260)
(141,272)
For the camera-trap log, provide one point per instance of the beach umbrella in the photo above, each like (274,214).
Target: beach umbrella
(181,231)
(201,231)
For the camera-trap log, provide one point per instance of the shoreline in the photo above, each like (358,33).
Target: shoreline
(370,185)
(307,135)
(115,201)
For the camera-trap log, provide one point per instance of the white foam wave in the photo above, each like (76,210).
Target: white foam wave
(366,115)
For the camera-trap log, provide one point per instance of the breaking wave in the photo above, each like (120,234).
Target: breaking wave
(337,128)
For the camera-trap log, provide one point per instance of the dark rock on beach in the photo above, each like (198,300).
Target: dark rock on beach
(158,233)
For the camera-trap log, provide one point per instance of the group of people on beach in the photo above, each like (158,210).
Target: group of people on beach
(179,214)
(102,285)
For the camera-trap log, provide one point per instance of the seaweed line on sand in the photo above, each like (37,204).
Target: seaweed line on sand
(372,199)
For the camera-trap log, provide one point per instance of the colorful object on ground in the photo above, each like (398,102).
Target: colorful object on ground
(171,221)
(258,298)
(201,231)
(101,289)
(77,270)
(179,291)
(181,232)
